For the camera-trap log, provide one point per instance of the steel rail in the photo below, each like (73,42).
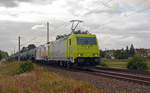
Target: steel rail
(145,80)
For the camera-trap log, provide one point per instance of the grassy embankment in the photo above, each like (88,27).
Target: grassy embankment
(39,81)
(119,63)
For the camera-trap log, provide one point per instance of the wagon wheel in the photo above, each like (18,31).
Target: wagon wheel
(61,63)
(69,65)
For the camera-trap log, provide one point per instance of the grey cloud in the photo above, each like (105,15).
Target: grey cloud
(110,7)
(9,32)
(14,3)
(8,3)
(114,36)
(108,11)
(127,32)
(114,7)
(83,8)
(138,4)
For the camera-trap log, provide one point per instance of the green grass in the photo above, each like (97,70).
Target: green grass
(116,63)
(11,68)
(149,65)
(148,61)
(119,63)
(115,60)
(39,81)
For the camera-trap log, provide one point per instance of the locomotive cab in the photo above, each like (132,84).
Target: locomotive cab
(82,49)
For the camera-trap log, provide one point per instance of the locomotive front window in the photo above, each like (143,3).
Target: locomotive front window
(86,40)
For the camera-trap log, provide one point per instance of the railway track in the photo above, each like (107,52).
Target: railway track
(102,82)
(122,74)
(140,77)
(137,72)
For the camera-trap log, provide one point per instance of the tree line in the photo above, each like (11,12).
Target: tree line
(3,55)
(29,47)
(119,53)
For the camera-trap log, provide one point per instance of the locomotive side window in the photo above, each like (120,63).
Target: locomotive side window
(86,40)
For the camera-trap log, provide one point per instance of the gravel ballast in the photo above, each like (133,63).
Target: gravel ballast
(106,85)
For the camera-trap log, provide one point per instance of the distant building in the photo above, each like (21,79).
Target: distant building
(143,52)
(110,53)
(3,60)
(148,51)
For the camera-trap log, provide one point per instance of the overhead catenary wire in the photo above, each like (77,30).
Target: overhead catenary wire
(35,38)
(29,41)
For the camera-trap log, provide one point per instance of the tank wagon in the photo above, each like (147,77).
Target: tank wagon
(74,50)
(27,55)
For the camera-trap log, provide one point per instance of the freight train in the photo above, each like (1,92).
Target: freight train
(73,50)
(79,50)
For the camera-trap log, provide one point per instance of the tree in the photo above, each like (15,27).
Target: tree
(102,53)
(127,49)
(132,50)
(6,53)
(31,46)
(143,52)
(137,63)
(120,54)
(117,54)
(127,52)
(24,49)
(1,55)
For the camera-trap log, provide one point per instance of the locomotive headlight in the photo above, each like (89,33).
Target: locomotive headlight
(96,55)
(80,55)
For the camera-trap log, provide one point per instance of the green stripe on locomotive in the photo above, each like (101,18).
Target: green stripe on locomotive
(75,49)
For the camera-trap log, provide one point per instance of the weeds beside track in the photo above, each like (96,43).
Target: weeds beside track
(140,77)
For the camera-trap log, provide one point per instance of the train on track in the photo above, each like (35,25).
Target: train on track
(72,50)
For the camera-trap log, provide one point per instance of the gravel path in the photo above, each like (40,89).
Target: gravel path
(107,85)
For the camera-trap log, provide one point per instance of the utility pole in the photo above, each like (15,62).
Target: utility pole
(14,51)
(19,48)
(47,32)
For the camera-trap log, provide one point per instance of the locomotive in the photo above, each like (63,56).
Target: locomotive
(77,49)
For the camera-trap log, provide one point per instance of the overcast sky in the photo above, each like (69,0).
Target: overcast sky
(117,23)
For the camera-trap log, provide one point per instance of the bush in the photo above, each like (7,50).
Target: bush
(103,64)
(25,67)
(0,56)
(108,57)
(10,60)
(137,63)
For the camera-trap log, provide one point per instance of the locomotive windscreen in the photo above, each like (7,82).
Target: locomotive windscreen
(86,40)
